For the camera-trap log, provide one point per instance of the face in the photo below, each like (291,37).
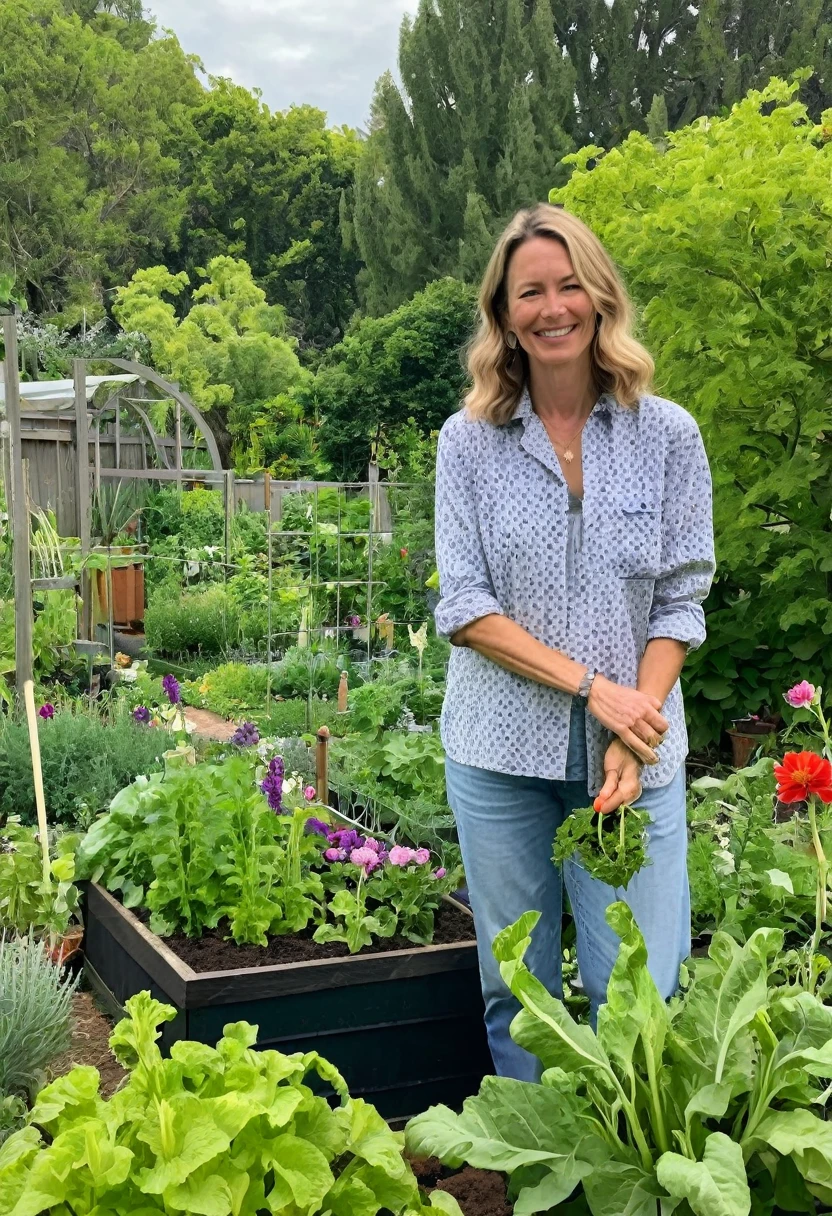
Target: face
(548,309)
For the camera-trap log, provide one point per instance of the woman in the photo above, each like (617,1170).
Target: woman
(575,547)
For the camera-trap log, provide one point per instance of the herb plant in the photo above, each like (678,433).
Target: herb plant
(715,1101)
(26,901)
(612,847)
(218,1131)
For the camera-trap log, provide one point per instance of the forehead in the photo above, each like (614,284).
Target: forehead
(541,257)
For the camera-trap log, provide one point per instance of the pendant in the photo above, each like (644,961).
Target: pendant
(568,456)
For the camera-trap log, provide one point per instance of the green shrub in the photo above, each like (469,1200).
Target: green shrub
(204,621)
(86,760)
(287,718)
(229,690)
(302,671)
(35,1023)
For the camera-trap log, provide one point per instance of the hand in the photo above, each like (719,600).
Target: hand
(622,772)
(632,715)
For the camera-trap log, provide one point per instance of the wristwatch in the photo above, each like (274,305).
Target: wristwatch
(586,683)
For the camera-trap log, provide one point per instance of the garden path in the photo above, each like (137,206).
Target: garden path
(209,725)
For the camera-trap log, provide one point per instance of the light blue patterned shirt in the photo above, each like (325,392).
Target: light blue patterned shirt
(501,531)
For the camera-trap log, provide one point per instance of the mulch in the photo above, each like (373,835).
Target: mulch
(90,1045)
(478,1192)
(212,953)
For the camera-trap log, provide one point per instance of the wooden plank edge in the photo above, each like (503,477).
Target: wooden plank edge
(162,965)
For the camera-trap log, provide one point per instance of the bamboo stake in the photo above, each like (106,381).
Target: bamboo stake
(322,766)
(37,774)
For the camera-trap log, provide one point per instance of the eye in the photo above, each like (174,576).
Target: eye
(572,287)
(529,292)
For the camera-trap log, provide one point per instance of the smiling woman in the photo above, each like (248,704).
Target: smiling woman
(574,545)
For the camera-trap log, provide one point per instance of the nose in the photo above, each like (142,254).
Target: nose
(554,305)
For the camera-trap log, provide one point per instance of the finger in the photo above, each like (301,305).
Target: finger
(616,799)
(638,746)
(655,720)
(646,733)
(605,801)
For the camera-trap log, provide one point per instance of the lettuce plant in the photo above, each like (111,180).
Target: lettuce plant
(711,1104)
(225,1131)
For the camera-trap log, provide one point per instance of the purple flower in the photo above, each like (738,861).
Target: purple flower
(401,856)
(346,838)
(309,793)
(272,784)
(801,695)
(335,854)
(366,858)
(142,714)
(440,873)
(170,684)
(378,847)
(354,621)
(246,735)
(317,827)
(47,710)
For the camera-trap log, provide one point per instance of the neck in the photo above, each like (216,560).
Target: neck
(565,394)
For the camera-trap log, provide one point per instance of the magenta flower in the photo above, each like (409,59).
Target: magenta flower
(336,854)
(170,684)
(309,793)
(47,710)
(354,621)
(421,856)
(401,856)
(142,714)
(367,858)
(801,695)
(440,873)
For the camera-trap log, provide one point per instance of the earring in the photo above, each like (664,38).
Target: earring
(511,340)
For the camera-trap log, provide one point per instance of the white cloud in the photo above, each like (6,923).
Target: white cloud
(328,53)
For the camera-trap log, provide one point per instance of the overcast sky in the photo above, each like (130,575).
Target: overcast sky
(326,52)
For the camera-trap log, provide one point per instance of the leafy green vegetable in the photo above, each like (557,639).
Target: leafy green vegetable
(715,1100)
(225,1131)
(26,901)
(612,848)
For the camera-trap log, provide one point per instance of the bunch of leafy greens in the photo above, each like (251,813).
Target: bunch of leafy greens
(710,1105)
(612,848)
(26,900)
(219,1131)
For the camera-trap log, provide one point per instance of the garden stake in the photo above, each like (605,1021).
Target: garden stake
(37,773)
(322,765)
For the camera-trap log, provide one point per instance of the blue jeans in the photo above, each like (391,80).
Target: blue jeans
(506,829)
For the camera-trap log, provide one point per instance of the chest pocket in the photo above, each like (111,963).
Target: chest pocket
(632,539)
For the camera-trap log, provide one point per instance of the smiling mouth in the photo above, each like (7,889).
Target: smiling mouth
(563,332)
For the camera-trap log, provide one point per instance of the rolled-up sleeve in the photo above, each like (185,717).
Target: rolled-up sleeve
(465,584)
(687,562)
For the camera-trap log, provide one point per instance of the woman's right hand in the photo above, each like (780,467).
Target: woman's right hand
(632,715)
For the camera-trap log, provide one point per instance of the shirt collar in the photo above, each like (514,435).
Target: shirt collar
(523,410)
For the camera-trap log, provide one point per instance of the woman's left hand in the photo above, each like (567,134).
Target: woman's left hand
(622,784)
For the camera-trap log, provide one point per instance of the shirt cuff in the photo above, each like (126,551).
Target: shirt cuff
(470,604)
(684,622)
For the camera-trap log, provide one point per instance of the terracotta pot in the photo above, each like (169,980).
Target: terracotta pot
(744,742)
(128,593)
(65,946)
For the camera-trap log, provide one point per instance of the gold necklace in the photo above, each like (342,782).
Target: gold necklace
(568,455)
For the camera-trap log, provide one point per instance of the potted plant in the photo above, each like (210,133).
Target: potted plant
(747,732)
(115,521)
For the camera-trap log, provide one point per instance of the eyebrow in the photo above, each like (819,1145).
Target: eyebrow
(533,282)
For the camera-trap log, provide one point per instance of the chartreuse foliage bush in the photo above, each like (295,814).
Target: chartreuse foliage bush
(223,1131)
(712,1105)
(723,232)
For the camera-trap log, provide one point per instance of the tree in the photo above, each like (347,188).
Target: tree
(723,240)
(88,189)
(231,352)
(390,370)
(267,188)
(476,131)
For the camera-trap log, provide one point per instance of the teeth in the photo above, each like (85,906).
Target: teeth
(556,333)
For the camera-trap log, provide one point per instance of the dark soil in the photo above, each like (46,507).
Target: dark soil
(91,1032)
(212,953)
(478,1192)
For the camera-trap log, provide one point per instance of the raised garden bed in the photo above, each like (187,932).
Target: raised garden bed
(404,1026)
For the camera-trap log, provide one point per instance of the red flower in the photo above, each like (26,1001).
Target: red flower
(802,774)
(403,552)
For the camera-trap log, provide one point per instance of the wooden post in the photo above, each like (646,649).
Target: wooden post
(322,766)
(37,774)
(178,443)
(228,480)
(19,509)
(82,490)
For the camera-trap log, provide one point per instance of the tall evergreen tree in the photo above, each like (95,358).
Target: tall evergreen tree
(476,130)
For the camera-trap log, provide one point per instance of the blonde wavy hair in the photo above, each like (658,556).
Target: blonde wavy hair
(620,364)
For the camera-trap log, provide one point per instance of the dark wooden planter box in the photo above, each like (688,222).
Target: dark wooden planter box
(405,1028)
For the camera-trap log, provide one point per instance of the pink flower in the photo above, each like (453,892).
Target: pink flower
(367,858)
(400,856)
(309,793)
(335,854)
(801,696)
(421,856)
(440,873)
